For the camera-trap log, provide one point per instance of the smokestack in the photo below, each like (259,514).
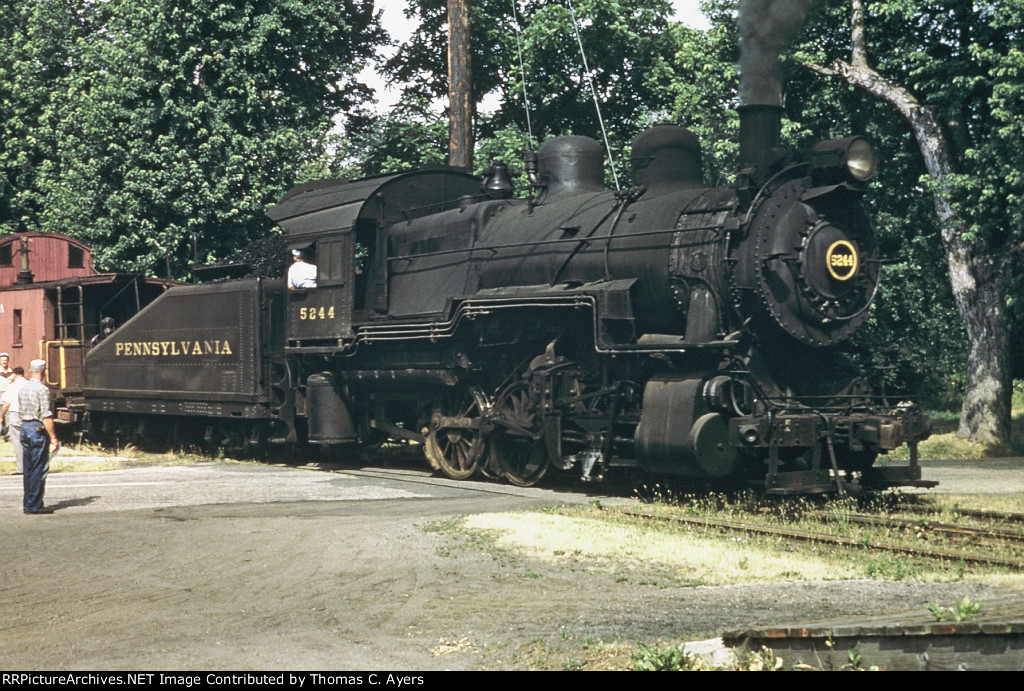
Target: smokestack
(760,130)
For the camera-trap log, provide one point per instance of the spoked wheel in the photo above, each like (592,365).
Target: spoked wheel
(454,441)
(523,461)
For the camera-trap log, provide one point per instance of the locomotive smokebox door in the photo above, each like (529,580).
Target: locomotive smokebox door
(322,316)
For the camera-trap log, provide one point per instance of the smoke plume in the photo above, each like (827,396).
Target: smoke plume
(766,28)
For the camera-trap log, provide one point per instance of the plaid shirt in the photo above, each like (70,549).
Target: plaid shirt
(34,399)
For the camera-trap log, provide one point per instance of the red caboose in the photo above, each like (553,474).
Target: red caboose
(54,305)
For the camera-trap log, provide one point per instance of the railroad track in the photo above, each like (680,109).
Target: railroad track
(975,535)
(995,516)
(426,477)
(826,538)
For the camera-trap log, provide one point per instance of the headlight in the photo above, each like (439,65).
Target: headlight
(861,160)
(836,160)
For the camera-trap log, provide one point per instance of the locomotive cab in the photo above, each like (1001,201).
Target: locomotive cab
(323,314)
(345,226)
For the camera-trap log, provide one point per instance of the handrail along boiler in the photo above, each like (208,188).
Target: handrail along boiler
(671,326)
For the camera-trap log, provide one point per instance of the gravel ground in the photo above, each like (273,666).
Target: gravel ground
(220,566)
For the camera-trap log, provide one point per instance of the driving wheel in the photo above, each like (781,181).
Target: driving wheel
(523,460)
(454,442)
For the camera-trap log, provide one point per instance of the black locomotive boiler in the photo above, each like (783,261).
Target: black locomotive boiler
(669,326)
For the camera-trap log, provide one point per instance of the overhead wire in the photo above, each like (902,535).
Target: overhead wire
(593,93)
(522,71)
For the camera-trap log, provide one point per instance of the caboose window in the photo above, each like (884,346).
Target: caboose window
(76,257)
(16,336)
(6,255)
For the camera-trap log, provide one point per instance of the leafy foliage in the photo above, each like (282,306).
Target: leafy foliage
(961,610)
(627,44)
(962,61)
(165,122)
(651,658)
(411,135)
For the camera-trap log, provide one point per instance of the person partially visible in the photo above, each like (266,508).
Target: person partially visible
(38,437)
(301,274)
(5,371)
(10,413)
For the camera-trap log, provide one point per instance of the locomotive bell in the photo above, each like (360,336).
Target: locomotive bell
(497,181)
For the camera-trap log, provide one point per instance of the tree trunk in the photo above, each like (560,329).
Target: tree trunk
(979,278)
(460,80)
(981,301)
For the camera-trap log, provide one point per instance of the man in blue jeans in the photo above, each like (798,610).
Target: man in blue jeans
(37,437)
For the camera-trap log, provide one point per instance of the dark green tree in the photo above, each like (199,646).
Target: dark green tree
(627,45)
(952,70)
(37,52)
(913,332)
(181,120)
(412,134)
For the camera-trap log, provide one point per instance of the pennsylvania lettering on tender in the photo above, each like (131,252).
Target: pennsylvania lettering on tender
(169,348)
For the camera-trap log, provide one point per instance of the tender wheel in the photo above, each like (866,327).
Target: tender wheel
(159,434)
(454,442)
(523,461)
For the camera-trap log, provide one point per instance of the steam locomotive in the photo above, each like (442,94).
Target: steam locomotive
(670,327)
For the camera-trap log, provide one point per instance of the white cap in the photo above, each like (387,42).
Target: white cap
(37,365)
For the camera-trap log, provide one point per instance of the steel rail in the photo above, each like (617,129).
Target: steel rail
(987,534)
(972,513)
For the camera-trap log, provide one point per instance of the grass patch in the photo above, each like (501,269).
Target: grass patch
(461,537)
(665,554)
(651,554)
(947,445)
(93,458)
(951,503)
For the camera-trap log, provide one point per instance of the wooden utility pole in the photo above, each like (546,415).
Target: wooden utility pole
(460,83)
